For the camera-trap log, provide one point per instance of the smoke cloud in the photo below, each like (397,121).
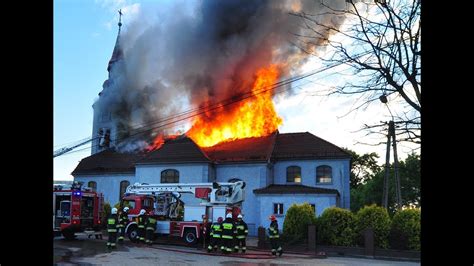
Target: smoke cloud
(190,54)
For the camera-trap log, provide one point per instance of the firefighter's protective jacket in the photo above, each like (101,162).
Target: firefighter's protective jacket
(141,221)
(228,229)
(112,222)
(216,230)
(273,230)
(242,229)
(150,223)
(123,220)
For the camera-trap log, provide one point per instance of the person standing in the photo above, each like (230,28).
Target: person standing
(215,233)
(150,229)
(112,222)
(227,233)
(141,221)
(274,236)
(122,225)
(242,232)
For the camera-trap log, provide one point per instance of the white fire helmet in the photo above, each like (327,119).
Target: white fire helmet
(126,209)
(229,215)
(142,211)
(114,211)
(239,216)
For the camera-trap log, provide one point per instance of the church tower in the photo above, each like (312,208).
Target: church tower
(104,129)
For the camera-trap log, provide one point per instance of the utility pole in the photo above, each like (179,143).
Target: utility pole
(398,196)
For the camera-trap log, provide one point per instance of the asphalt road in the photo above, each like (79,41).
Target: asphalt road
(84,251)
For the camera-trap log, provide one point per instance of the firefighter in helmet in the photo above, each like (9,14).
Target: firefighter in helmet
(112,222)
(228,232)
(216,233)
(242,232)
(141,221)
(123,221)
(274,236)
(150,229)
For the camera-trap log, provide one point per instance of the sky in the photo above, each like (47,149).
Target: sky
(84,37)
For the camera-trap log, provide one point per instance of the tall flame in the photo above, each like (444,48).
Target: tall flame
(252,117)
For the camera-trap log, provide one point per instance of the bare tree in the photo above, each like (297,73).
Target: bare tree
(381,46)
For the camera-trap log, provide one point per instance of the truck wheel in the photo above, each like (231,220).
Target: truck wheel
(132,233)
(68,234)
(190,236)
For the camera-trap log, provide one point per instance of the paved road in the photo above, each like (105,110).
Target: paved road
(85,251)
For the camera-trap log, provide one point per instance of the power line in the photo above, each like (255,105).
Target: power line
(229,101)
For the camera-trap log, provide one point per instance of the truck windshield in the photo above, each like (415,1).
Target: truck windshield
(129,203)
(65,208)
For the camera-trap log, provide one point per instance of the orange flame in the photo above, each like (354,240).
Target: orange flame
(159,141)
(252,117)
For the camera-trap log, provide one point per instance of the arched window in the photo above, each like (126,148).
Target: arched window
(293,174)
(170,176)
(123,186)
(324,174)
(93,185)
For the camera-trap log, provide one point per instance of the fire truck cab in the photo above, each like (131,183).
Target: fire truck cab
(76,209)
(174,217)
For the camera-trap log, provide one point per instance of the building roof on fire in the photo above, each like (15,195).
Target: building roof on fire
(248,150)
(294,189)
(107,161)
(179,150)
(277,146)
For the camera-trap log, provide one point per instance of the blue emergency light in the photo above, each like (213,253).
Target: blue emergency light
(77,193)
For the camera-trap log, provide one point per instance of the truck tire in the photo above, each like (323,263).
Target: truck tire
(132,233)
(68,234)
(190,236)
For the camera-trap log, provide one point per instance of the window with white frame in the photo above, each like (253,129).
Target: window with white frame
(278,208)
(323,174)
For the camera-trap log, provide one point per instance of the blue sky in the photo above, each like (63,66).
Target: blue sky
(83,44)
(84,37)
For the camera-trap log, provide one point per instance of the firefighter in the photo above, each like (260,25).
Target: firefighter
(141,220)
(123,221)
(112,222)
(274,236)
(216,233)
(242,232)
(228,232)
(150,229)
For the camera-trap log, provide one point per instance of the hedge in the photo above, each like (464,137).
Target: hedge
(405,231)
(297,219)
(336,227)
(378,219)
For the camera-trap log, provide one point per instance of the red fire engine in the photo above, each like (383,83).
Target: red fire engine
(76,209)
(175,218)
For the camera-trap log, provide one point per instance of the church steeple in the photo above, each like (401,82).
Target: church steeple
(117,54)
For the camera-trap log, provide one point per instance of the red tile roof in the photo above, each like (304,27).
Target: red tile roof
(294,189)
(108,161)
(305,145)
(181,149)
(242,150)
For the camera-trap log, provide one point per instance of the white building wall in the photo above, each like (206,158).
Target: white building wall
(108,184)
(340,175)
(252,175)
(266,201)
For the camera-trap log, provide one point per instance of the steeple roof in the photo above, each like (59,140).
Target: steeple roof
(117,54)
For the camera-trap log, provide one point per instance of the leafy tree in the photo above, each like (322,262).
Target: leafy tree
(363,167)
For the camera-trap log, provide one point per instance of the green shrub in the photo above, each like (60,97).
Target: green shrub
(405,231)
(297,219)
(377,218)
(336,226)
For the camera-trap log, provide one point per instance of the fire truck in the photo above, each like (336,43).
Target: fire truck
(175,217)
(76,209)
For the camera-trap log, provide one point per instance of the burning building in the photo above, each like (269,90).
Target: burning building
(223,66)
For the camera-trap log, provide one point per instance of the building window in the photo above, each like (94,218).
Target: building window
(293,174)
(324,174)
(104,137)
(170,176)
(92,185)
(313,206)
(278,208)
(123,187)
